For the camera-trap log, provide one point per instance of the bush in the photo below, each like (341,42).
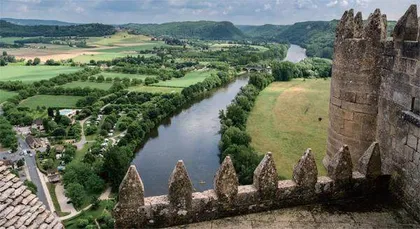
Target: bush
(31,186)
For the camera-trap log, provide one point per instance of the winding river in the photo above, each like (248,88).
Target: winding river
(191,135)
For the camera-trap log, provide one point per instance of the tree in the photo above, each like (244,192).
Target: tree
(59,132)
(50,112)
(36,61)
(283,71)
(116,162)
(29,62)
(4,53)
(76,193)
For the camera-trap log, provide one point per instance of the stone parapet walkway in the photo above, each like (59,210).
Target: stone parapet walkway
(347,214)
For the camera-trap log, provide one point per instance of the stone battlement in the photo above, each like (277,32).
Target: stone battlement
(375,96)
(228,198)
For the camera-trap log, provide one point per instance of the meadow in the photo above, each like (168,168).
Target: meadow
(133,48)
(29,74)
(189,79)
(50,101)
(123,75)
(152,89)
(285,121)
(83,84)
(118,38)
(4,95)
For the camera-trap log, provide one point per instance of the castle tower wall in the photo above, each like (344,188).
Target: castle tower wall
(398,130)
(355,84)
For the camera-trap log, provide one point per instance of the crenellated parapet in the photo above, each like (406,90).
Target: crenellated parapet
(228,198)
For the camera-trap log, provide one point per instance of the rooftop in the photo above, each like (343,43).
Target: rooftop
(19,208)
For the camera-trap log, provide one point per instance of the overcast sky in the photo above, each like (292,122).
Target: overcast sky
(252,12)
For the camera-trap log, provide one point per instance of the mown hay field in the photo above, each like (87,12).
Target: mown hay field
(189,79)
(29,74)
(152,89)
(50,101)
(285,121)
(83,84)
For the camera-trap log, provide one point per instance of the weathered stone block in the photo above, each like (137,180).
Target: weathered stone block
(226,182)
(180,187)
(370,163)
(407,27)
(265,177)
(340,167)
(305,173)
(412,141)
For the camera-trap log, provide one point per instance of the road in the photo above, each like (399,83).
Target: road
(33,172)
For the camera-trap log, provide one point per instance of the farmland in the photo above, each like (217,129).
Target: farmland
(50,101)
(29,74)
(4,95)
(123,75)
(285,122)
(152,89)
(83,84)
(189,79)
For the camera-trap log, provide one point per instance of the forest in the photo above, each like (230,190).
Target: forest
(86,30)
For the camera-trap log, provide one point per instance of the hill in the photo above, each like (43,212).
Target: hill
(317,37)
(206,30)
(36,22)
(87,30)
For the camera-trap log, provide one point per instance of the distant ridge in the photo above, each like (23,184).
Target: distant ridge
(206,30)
(37,22)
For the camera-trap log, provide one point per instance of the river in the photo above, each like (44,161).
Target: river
(295,53)
(192,136)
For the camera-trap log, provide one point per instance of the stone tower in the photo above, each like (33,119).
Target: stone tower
(355,83)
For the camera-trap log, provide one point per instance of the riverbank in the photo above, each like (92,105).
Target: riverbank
(191,135)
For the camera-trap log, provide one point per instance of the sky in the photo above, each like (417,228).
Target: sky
(240,12)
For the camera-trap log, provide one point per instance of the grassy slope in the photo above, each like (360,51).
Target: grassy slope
(74,84)
(189,79)
(50,101)
(285,121)
(4,95)
(30,74)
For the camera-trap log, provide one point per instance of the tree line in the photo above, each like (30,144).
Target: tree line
(235,141)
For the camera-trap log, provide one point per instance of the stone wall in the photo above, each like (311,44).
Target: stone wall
(375,84)
(182,205)
(398,129)
(355,83)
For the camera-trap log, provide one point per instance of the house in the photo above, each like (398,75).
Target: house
(38,124)
(53,177)
(33,142)
(59,149)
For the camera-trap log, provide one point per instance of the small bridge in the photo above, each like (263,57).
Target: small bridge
(257,69)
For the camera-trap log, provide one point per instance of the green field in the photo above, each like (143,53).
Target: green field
(123,75)
(118,38)
(134,48)
(152,89)
(284,121)
(74,84)
(189,79)
(104,56)
(28,74)
(4,95)
(50,101)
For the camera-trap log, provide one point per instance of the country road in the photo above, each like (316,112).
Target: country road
(33,172)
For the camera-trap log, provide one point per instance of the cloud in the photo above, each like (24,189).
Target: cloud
(158,11)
